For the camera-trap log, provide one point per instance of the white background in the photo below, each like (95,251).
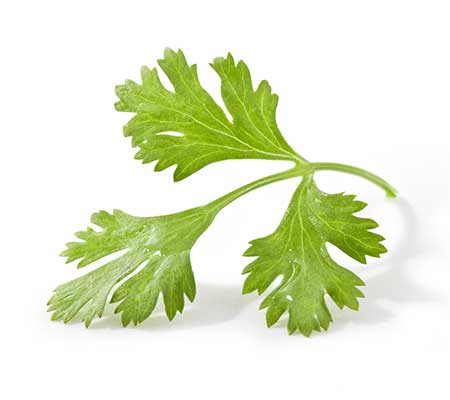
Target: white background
(360,82)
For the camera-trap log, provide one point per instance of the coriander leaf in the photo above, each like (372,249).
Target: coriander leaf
(161,243)
(207,136)
(253,112)
(297,252)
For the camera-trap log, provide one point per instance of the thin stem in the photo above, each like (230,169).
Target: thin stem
(389,189)
(223,201)
(300,170)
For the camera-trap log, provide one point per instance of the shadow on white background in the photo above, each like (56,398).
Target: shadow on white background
(214,304)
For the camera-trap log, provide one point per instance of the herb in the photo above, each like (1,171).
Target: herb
(157,257)
(297,251)
(161,244)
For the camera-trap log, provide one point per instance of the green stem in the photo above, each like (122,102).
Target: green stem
(390,191)
(223,201)
(300,170)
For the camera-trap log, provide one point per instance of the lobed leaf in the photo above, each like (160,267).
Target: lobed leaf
(161,243)
(207,136)
(297,252)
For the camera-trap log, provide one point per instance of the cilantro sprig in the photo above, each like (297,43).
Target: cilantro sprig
(156,260)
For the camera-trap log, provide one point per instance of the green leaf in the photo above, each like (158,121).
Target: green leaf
(161,244)
(297,252)
(207,135)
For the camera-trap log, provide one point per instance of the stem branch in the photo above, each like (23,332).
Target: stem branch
(300,170)
(223,201)
(389,189)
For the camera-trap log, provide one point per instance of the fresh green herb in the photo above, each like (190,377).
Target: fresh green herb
(157,257)
(297,252)
(161,244)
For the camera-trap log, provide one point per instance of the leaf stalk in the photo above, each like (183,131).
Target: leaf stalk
(299,170)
